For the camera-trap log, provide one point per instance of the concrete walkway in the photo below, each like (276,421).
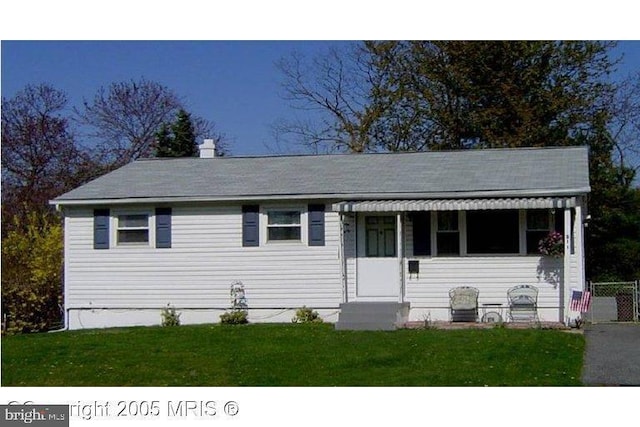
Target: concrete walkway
(612,355)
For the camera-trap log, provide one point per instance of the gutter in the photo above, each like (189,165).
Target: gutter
(327,196)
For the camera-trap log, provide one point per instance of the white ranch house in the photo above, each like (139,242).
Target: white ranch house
(323,232)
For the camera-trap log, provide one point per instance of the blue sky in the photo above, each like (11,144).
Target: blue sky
(233,83)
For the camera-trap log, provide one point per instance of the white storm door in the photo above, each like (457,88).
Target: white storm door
(378,269)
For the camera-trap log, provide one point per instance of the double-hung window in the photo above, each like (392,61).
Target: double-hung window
(448,233)
(284,225)
(538,227)
(132,229)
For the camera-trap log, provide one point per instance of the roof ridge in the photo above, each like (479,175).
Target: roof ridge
(388,153)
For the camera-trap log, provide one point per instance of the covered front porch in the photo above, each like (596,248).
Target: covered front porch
(415,251)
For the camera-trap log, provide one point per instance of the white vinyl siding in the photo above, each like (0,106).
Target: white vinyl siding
(205,258)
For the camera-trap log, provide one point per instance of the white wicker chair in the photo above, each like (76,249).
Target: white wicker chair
(463,303)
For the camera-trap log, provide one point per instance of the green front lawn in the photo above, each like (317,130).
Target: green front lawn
(291,355)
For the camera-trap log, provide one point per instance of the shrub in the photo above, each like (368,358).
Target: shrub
(306,315)
(236,317)
(170,317)
(32,274)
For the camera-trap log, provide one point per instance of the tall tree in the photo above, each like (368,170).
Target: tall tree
(40,157)
(40,160)
(625,124)
(421,95)
(332,91)
(488,94)
(177,140)
(405,96)
(613,233)
(125,118)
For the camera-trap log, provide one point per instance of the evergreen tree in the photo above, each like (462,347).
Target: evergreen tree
(164,142)
(184,138)
(177,139)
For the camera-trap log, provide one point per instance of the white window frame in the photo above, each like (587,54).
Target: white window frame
(264,224)
(115,228)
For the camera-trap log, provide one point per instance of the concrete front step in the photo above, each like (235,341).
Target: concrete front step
(368,317)
(365,326)
(359,316)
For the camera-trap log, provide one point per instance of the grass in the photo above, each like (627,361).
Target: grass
(291,355)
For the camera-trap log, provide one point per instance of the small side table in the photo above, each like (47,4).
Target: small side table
(492,313)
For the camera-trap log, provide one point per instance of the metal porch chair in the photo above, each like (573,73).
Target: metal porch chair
(523,303)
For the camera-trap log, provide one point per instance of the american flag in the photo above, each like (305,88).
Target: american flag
(580,300)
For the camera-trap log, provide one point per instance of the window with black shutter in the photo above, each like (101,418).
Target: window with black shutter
(101,229)
(250,225)
(163,227)
(316,225)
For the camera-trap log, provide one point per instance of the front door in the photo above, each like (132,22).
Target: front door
(378,269)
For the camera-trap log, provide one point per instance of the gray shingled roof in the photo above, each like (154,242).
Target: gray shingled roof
(480,173)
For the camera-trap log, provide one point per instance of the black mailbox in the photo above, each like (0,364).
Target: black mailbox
(414,266)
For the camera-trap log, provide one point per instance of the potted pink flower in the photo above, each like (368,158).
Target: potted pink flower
(552,245)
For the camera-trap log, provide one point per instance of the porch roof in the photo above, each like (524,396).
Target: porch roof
(454,204)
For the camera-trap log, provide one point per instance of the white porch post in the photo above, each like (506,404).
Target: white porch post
(567,266)
(343,260)
(400,252)
(579,245)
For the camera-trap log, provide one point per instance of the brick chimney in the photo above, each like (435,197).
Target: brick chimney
(207,149)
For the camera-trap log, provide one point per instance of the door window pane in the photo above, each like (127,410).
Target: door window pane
(389,242)
(380,236)
(372,242)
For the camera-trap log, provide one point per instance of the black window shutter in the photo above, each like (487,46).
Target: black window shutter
(163,227)
(421,233)
(101,229)
(250,225)
(316,225)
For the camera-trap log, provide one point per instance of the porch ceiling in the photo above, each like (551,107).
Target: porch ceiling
(454,204)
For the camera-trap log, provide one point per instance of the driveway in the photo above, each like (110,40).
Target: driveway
(612,355)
